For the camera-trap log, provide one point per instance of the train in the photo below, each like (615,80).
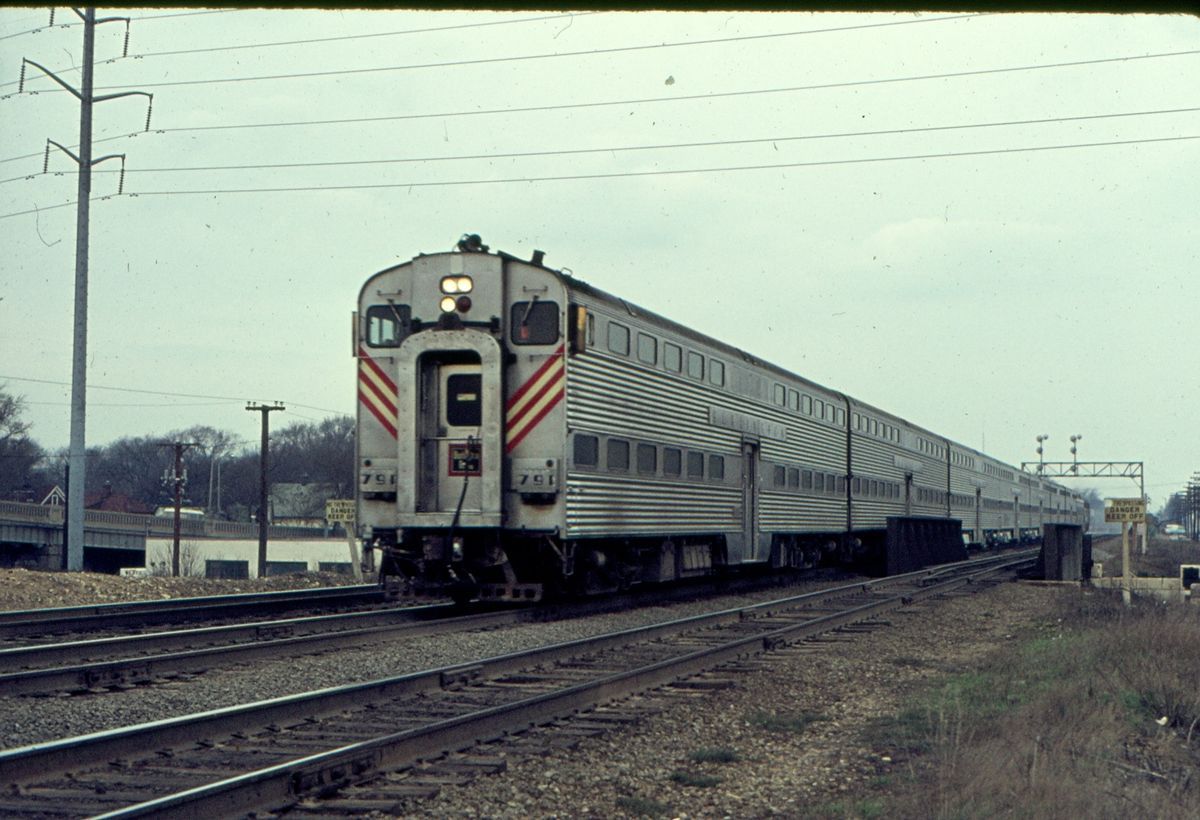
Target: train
(522,434)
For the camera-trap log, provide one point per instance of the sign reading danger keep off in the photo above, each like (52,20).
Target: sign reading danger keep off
(339,510)
(1125,509)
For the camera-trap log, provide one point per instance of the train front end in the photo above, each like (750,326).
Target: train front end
(461,380)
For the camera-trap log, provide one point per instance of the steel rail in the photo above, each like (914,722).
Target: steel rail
(280,785)
(130,671)
(61,755)
(21,658)
(135,613)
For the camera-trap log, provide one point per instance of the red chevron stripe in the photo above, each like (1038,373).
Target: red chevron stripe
(387,423)
(375,393)
(515,421)
(550,405)
(382,405)
(554,359)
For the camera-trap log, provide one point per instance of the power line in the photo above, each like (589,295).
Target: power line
(347,37)
(629,174)
(661,146)
(143,19)
(530,57)
(636,101)
(159,392)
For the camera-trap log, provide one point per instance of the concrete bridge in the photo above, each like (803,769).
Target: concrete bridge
(32,535)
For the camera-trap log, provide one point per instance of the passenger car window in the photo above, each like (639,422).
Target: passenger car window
(618,454)
(716,372)
(716,467)
(780,479)
(780,395)
(806,405)
(695,465)
(618,338)
(647,459)
(534,323)
(587,451)
(647,349)
(695,365)
(672,357)
(387,325)
(793,478)
(672,463)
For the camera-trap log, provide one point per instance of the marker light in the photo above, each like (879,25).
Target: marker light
(447,304)
(457,284)
(463,303)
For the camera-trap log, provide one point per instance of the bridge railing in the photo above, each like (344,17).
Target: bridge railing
(151,525)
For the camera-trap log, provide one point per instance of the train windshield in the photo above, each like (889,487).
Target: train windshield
(388,325)
(535,323)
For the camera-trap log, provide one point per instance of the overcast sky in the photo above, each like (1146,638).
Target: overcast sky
(729,170)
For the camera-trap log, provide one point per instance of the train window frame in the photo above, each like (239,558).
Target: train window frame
(590,330)
(716,372)
(647,459)
(806,479)
(856,486)
(695,365)
(672,357)
(540,318)
(615,445)
(818,409)
(819,481)
(672,454)
(716,467)
(647,348)
(793,401)
(793,478)
(695,464)
(806,404)
(582,439)
(840,417)
(780,395)
(614,338)
(397,316)
(778,476)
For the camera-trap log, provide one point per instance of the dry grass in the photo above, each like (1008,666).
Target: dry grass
(1095,716)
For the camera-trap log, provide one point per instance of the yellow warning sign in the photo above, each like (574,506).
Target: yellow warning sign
(1131,510)
(339,510)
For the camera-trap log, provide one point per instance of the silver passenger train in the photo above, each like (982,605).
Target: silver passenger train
(522,432)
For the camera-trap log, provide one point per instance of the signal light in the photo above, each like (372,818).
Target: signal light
(457,284)
(463,303)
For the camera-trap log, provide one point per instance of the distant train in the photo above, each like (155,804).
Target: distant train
(522,432)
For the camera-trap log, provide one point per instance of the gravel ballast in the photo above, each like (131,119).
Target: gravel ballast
(809,762)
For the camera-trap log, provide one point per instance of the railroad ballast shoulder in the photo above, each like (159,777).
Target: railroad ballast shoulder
(520,431)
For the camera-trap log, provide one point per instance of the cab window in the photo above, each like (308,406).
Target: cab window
(387,325)
(534,323)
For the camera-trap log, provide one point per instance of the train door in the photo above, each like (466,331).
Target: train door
(451,416)
(978,539)
(908,486)
(750,500)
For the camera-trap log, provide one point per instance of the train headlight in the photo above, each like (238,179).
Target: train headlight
(457,284)
(447,304)
(463,303)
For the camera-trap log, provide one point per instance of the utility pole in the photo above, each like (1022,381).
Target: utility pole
(180,480)
(76,458)
(266,410)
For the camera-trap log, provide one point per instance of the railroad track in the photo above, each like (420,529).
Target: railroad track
(289,751)
(24,625)
(99,665)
